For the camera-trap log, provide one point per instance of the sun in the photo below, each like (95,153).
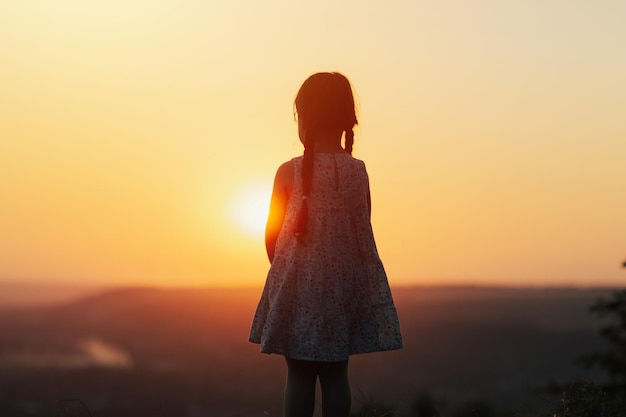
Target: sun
(250,206)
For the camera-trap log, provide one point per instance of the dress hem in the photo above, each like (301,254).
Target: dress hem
(285,353)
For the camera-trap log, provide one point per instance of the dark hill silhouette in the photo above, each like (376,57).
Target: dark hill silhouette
(150,351)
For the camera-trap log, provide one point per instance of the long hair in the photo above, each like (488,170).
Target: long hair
(324,102)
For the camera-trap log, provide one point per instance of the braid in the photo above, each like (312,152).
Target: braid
(324,103)
(307,179)
(349,140)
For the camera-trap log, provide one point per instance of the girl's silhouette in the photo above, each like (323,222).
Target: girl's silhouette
(326,296)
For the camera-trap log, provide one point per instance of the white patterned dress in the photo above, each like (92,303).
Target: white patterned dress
(327,297)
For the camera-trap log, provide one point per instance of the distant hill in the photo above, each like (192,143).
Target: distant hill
(31,294)
(149,351)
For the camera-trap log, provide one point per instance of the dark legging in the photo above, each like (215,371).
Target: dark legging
(300,392)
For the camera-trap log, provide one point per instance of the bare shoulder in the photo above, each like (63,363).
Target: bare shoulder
(284,176)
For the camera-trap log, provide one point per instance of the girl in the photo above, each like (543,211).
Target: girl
(326,296)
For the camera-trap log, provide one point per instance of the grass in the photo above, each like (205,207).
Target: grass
(73,407)
(578,398)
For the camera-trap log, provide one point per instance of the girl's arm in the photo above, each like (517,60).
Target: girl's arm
(283,184)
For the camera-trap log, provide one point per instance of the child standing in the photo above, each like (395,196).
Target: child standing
(326,296)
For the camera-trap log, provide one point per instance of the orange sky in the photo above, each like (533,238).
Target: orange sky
(493,133)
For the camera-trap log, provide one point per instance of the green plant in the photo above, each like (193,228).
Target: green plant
(613,359)
(581,398)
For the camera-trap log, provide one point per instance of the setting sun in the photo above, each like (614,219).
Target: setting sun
(250,206)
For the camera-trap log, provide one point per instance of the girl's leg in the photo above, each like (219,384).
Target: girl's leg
(300,390)
(336,396)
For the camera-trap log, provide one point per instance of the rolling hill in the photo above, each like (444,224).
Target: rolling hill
(184,352)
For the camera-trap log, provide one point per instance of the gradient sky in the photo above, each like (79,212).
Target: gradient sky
(494,135)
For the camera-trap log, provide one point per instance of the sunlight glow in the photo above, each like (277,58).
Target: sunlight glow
(139,139)
(250,207)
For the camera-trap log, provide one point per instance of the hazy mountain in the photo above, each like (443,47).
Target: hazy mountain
(184,352)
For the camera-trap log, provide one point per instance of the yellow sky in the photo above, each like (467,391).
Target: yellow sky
(493,133)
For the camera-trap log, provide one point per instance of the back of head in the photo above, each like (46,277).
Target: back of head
(325,102)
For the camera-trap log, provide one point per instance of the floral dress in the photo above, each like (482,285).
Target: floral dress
(326,296)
